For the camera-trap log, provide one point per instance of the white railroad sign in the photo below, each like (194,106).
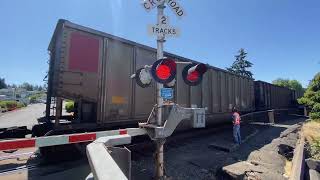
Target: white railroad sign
(150,4)
(163,29)
(173,4)
(176,8)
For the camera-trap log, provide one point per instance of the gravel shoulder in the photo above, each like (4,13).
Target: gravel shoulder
(193,159)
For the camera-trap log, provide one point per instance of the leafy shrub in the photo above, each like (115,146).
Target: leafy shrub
(36,97)
(311,97)
(10,105)
(315,115)
(20,105)
(69,106)
(33,99)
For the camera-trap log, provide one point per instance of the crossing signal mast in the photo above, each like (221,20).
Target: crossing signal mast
(163,72)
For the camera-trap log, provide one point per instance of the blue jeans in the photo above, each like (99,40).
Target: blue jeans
(236,134)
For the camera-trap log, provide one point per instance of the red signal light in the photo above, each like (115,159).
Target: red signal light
(164,70)
(193,76)
(192,73)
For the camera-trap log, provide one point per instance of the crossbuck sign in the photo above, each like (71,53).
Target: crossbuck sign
(173,4)
(162,29)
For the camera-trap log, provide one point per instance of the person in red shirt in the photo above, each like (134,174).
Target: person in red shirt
(236,125)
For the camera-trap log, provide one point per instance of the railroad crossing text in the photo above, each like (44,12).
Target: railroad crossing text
(163,30)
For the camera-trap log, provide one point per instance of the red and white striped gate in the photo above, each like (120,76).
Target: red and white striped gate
(46,141)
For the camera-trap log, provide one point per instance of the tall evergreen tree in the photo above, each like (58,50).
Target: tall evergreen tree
(3,83)
(241,64)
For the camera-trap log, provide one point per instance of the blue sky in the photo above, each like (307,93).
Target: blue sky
(282,37)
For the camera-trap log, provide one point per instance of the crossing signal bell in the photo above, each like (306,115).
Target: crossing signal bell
(192,73)
(164,70)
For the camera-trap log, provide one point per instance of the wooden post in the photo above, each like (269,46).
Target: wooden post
(305,111)
(271,116)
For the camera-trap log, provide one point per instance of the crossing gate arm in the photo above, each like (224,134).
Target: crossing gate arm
(107,162)
(47,141)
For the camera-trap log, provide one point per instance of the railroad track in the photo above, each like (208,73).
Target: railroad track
(17,169)
(16,155)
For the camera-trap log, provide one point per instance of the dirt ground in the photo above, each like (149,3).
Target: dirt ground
(194,159)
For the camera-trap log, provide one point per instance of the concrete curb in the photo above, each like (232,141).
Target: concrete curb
(298,161)
(314,175)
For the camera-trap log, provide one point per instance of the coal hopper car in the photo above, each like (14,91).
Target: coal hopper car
(93,69)
(270,96)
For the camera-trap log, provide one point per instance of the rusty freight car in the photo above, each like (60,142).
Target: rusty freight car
(93,68)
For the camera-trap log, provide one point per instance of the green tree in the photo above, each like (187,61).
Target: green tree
(241,64)
(13,85)
(3,83)
(40,88)
(33,99)
(292,84)
(311,97)
(27,86)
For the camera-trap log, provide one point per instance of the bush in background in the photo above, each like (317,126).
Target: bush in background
(36,97)
(311,97)
(11,105)
(33,99)
(69,106)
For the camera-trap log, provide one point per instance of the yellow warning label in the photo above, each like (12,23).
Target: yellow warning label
(118,100)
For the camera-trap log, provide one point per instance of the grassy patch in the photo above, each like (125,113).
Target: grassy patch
(287,168)
(311,131)
(315,149)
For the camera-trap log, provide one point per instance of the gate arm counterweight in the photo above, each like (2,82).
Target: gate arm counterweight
(176,115)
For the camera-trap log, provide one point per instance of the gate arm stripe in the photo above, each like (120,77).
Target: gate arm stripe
(46,141)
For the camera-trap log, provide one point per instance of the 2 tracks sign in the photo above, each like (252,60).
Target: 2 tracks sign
(163,29)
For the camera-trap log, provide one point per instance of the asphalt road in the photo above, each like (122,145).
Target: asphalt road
(23,117)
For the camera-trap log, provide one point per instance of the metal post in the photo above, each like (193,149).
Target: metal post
(160,41)
(58,111)
(159,143)
(159,159)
